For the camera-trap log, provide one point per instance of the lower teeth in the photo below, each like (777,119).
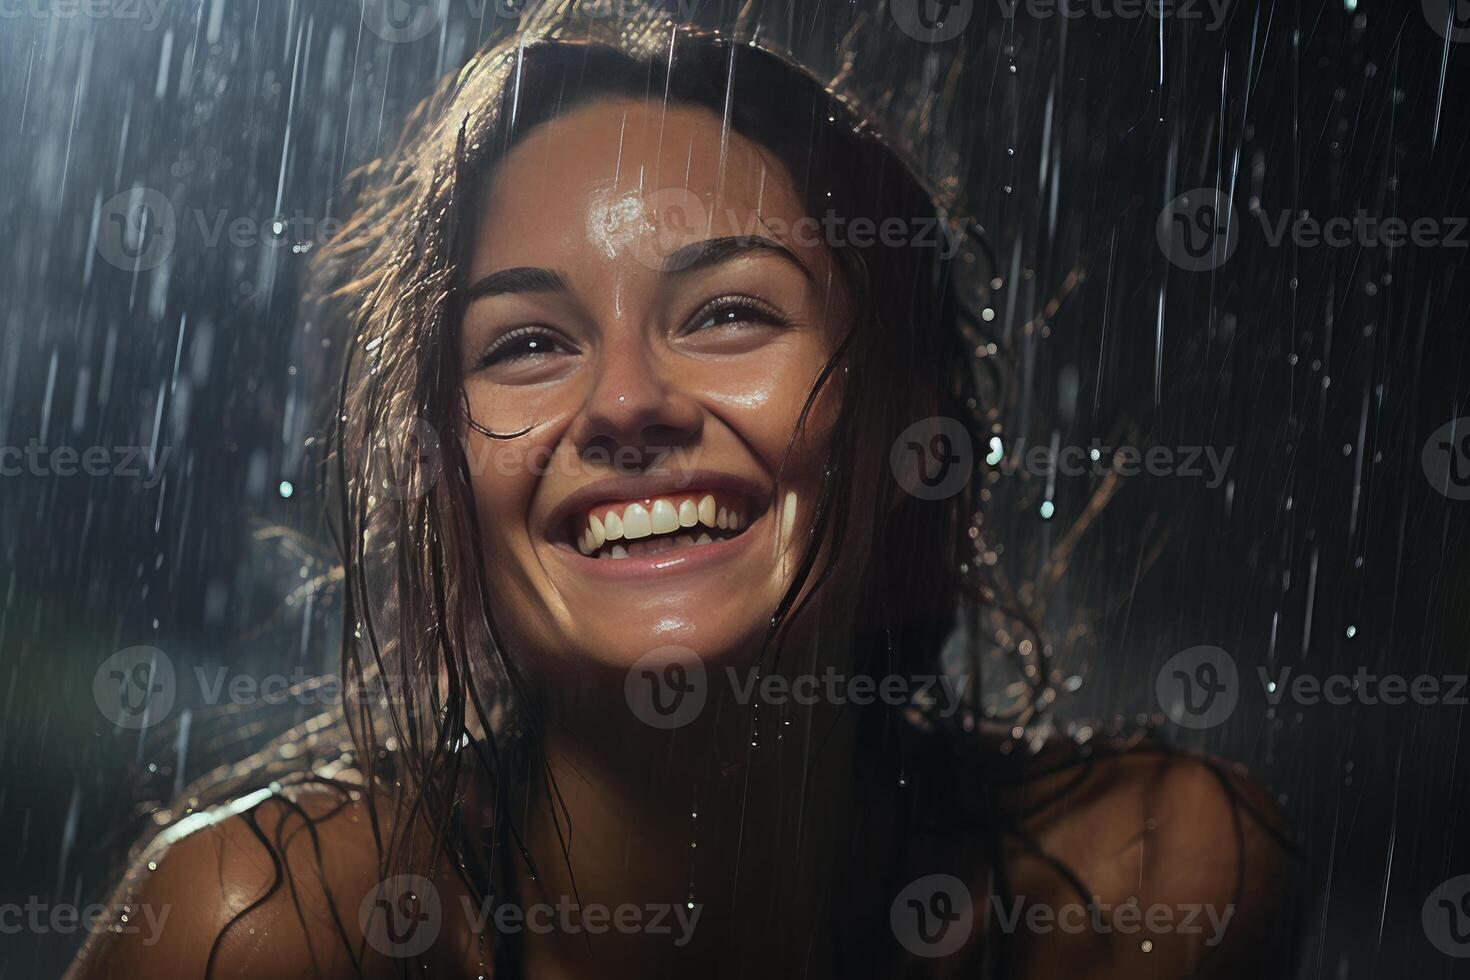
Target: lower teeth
(654,546)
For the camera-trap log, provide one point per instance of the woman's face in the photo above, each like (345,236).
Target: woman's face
(647,316)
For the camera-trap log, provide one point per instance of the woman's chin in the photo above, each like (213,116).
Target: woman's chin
(651,660)
(713,641)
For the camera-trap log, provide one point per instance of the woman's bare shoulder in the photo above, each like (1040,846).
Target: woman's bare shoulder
(267,885)
(1176,863)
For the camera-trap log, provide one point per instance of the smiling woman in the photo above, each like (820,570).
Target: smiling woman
(645,635)
(621,336)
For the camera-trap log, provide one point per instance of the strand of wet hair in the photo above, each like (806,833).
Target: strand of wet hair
(283,845)
(557,806)
(277,875)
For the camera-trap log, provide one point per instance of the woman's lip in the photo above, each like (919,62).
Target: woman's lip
(655,567)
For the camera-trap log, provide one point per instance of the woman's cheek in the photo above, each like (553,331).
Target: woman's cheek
(764,395)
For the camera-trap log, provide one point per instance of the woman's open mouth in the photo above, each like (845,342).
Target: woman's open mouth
(652,526)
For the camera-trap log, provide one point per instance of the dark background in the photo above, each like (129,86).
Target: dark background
(1325,369)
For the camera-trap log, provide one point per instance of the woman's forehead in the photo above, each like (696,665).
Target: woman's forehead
(607,175)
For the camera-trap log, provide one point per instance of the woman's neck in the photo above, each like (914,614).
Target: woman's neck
(698,852)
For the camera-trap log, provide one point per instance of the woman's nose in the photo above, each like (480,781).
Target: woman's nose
(636,403)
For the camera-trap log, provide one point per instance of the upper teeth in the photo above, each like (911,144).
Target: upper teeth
(661,515)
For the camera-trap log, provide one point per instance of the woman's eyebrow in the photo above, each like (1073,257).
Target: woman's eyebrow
(521,279)
(713,251)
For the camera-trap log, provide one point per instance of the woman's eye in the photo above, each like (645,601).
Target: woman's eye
(524,344)
(734,311)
